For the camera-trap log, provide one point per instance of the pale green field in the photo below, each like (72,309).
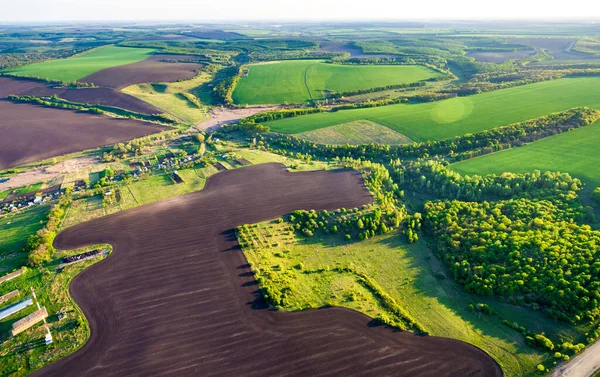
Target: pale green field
(458,116)
(82,65)
(358,133)
(297,81)
(575,152)
(170,98)
(411,274)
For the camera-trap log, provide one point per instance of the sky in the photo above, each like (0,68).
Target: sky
(286,10)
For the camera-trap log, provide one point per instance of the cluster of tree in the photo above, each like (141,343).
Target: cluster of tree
(596,195)
(17,59)
(434,177)
(280,114)
(54,101)
(459,148)
(370,103)
(223,84)
(529,252)
(39,245)
(483,308)
(124,150)
(535,340)
(377,89)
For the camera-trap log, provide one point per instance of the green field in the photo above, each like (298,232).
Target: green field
(173,98)
(14,231)
(297,81)
(83,65)
(574,152)
(358,132)
(410,273)
(458,116)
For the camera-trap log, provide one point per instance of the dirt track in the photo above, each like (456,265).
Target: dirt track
(153,69)
(177,296)
(31,133)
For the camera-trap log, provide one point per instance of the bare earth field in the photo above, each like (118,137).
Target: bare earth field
(177,296)
(10,86)
(499,56)
(100,96)
(32,133)
(153,69)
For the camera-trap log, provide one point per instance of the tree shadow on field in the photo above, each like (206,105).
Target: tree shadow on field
(433,280)
(27,346)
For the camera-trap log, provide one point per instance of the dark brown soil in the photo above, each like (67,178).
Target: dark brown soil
(177,297)
(97,96)
(219,166)
(31,133)
(100,96)
(10,86)
(153,69)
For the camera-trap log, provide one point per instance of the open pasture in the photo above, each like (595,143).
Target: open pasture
(298,81)
(32,133)
(358,132)
(574,152)
(458,116)
(82,65)
(177,291)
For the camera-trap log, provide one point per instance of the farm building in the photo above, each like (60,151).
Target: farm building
(15,308)
(26,322)
(9,295)
(11,276)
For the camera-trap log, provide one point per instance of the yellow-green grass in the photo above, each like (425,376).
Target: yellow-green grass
(82,65)
(26,352)
(411,274)
(575,152)
(458,116)
(357,132)
(297,81)
(173,98)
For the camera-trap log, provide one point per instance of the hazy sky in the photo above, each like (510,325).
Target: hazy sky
(202,10)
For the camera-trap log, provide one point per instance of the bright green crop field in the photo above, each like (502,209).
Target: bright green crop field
(458,116)
(297,81)
(574,152)
(83,65)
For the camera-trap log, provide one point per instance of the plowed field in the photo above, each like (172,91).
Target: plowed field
(177,297)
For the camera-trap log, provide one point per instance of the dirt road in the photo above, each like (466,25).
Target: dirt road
(584,365)
(222,115)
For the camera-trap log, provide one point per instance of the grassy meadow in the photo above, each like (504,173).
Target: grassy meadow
(574,152)
(410,273)
(458,116)
(175,98)
(358,132)
(82,65)
(298,81)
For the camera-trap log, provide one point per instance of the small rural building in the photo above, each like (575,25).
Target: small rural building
(11,276)
(26,322)
(9,295)
(15,308)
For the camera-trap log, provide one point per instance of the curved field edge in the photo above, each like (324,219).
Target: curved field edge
(81,242)
(146,191)
(458,116)
(52,286)
(569,152)
(308,273)
(82,65)
(298,81)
